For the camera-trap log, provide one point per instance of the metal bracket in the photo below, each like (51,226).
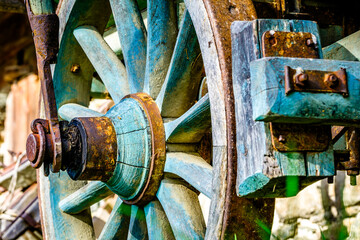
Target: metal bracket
(289,44)
(300,137)
(299,80)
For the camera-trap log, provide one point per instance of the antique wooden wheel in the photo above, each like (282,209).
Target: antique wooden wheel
(158,194)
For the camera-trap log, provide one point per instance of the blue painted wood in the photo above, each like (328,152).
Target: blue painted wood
(192,168)
(162,33)
(180,88)
(83,198)
(134,148)
(262,171)
(72,110)
(183,209)
(158,225)
(192,125)
(137,226)
(110,69)
(321,164)
(271,104)
(117,226)
(132,34)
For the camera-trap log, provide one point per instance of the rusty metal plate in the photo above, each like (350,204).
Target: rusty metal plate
(289,44)
(300,137)
(300,80)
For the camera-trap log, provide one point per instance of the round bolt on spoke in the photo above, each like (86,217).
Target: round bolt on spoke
(301,79)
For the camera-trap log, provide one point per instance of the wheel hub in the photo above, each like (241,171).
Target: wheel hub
(125,148)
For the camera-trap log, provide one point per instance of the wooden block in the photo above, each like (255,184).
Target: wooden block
(272,104)
(262,171)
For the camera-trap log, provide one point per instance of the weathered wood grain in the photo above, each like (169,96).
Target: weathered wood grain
(83,198)
(192,125)
(132,34)
(193,169)
(182,209)
(72,110)
(162,33)
(117,226)
(272,104)
(158,225)
(261,170)
(180,88)
(344,49)
(110,69)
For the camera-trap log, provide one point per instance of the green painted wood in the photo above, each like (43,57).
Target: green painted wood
(157,223)
(179,91)
(132,34)
(262,171)
(271,104)
(192,125)
(39,7)
(83,198)
(183,209)
(110,69)
(162,33)
(137,226)
(344,49)
(192,168)
(72,110)
(117,226)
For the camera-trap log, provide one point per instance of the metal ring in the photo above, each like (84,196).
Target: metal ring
(40,159)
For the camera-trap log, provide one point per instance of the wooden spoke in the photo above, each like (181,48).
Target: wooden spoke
(71,110)
(85,197)
(137,228)
(110,69)
(180,88)
(117,225)
(193,169)
(182,209)
(162,32)
(157,223)
(132,34)
(192,125)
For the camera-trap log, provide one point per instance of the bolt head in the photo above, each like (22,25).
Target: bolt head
(301,79)
(32,147)
(75,68)
(331,80)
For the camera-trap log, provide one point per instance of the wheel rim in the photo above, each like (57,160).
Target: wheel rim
(77,91)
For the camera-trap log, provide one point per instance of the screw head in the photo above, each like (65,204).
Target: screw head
(75,68)
(301,79)
(331,80)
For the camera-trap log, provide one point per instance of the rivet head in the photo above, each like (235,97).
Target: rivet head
(331,80)
(301,79)
(75,68)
